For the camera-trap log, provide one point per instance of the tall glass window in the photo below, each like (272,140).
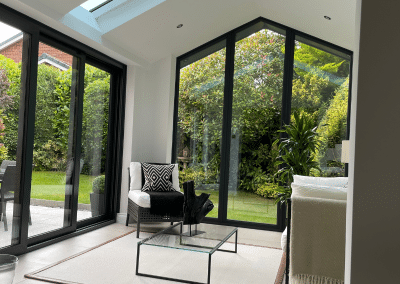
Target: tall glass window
(234,117)
(200,112)
(53,162)
(256,118)
(321,91)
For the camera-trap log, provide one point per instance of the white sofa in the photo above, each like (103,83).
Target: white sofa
(317,231)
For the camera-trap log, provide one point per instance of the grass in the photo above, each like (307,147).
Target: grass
(243,206)
(51,186)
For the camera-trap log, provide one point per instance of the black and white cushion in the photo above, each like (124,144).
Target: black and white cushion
(157,177)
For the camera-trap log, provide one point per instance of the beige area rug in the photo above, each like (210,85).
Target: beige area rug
(114,262)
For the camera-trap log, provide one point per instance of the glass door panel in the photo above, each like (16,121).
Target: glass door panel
(256,118)
(10,94)
(321,91)
(91,198)
(200,111)
(53,164)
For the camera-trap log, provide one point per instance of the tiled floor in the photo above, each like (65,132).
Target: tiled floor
(40,258)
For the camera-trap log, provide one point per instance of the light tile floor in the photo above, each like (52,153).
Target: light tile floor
(45,256)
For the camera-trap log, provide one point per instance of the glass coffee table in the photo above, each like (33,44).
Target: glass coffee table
(207,241)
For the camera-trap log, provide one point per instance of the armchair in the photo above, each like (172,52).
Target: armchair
(8,187)
(139,203)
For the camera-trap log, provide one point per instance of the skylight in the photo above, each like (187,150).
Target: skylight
(92,5)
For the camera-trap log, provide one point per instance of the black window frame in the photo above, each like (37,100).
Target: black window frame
(33,33)
(229,37)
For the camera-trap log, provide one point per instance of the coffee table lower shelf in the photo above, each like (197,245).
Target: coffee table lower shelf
(210,253)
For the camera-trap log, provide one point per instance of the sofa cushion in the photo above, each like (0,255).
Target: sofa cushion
(321,181)
(141,198)
(316,191)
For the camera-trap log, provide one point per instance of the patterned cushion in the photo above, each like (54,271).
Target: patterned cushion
(157,177)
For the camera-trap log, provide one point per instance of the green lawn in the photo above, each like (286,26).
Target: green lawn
(51,186)
(244,206)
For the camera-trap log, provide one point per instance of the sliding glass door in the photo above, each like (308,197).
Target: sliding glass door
(10,171)
(54,141)
(95,117)
(61,117)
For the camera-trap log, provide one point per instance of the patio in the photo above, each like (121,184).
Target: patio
(44,219)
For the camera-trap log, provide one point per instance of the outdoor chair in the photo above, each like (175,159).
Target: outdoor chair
(8,187)
(4,165)
(139,204)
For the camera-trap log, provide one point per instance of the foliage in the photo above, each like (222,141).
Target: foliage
(256,105)
(196,174)
(61,118)
(296,151)
(95,125)
(332,128)
(321,59)
(268,190)
(5,101)
(99,184)
(307,92)
(46,106)
(53,115)
(256,108)
(11,112)
(50,157)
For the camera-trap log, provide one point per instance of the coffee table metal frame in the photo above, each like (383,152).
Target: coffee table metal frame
(213,249)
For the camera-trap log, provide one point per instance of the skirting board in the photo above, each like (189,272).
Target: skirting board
(121,218)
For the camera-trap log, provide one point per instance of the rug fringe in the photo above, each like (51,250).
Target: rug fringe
(313,279)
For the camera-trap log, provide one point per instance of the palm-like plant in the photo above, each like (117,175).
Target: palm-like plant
(296,152)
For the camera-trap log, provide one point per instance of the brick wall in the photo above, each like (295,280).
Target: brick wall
(14,52)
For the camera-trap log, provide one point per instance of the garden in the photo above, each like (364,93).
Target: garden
(52,137)
(319,96)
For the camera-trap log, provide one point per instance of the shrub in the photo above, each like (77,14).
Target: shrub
(195,174)
(50,157)
(99,184)
(269,190)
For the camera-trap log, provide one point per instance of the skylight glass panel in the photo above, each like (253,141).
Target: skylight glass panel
(92,5)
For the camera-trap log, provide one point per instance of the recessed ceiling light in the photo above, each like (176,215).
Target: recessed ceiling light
(179,26)
(327,17)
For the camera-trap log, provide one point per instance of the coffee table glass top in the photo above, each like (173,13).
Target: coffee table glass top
(208,240)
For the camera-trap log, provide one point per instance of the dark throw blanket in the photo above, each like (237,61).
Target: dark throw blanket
(162,203)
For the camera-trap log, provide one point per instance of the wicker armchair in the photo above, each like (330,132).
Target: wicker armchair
(139,202)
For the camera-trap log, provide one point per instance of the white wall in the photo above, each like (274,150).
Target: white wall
(149,117)
(373,219)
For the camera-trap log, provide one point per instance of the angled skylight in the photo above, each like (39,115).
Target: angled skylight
(92,5)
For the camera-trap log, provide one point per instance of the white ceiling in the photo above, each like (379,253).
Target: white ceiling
(144,31)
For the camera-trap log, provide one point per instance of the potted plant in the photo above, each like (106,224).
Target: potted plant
(295,152)
(97,199)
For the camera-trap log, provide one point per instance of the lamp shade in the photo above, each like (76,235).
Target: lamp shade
(345,151)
